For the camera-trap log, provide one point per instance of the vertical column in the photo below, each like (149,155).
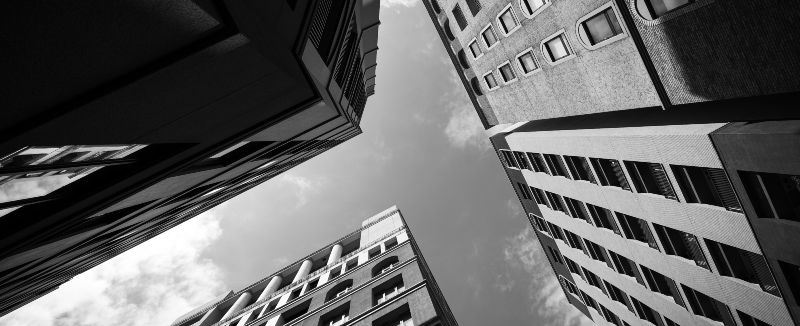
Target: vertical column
(240,303)
(273,285)
(211,317)
(336,253)
(305,267)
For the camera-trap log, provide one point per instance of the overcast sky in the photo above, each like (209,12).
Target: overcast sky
(422,149)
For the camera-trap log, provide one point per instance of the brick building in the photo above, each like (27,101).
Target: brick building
(124,119)
(374,276)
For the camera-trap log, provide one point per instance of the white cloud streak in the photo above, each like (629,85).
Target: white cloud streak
(399,3)
(151,284)
(301,187)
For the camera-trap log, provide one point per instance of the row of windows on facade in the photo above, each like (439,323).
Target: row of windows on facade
(343,287)
(701,185)
(699,303)
(340,315)
(730,261)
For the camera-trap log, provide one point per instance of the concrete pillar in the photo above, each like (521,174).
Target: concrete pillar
(336,253)
(305,268)
(240,303)
(273,285)
(210,318)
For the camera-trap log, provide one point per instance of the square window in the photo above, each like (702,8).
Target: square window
(658,8)
(508,21)
(490,81)
(489,38)
(475,49)
(507,73)
(557,48)
(531,6)
(460,19)
(527,63)
(602,26)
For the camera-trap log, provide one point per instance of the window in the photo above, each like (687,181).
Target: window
(532,7)
(312,284)
(509,159)
(615,293)
(601,26)
(539,196)
(645,312)
(682,244)
(669,322)
(524,191)
(374,252)
(609,316)
(579,168)
(351,264)
(522,161)
(774,195)
(540,223)
(489,37)
(556,256)
(537,162)
(703,305)
(339,290)
(295,294)
(335,272)
(400,316)
(556,231)
(706,186)
(658,8)
(595,251)
(572,266)
(792,274)
(570,287)
(661,284)
(337,316)
(742,264)
(610,173)
(527,62)
(474,6)
(385,265)
(295,312)
(435,5)
(588,300)
(622,265)
(491,83)
(555,202)
(387,290)
(636,229)
(508,20)
(459,16)
(391,243)
(507,73)
(556,48)
(650,178)
(602,218)
(555,165)
(271,306)
(574,240)
(476,86)
(748,320)
(475,49)
(575,209)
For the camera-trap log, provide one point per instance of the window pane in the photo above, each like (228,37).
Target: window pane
(475,48)
(507,73)
(557,48)
(488,36)
(490,81)
(527,63)
(532,5)
(661,7)
(600,28)
(507,18)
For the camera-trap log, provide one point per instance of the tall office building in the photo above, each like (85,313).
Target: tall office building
(123,119)
(374,276)
(652,145)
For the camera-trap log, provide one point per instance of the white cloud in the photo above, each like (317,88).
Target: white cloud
(545,293)
(464,128)
(151,284)
(302,187)
(398,3)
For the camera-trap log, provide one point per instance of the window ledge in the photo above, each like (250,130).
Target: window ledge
(744,283)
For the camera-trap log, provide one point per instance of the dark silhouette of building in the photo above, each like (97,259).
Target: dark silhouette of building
(123,119)
(375,276)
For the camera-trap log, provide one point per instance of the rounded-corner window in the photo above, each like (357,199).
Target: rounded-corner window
(507,73)
(489,37)
(476,87)
(654,9)
(475,49)
(556,48)
(339,289)
(385,265)
(448,31)
(462,58)
(508,21)
(600,27)
(527,63)
(491,82)
(531,8)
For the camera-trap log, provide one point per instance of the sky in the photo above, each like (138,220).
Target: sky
(423,149)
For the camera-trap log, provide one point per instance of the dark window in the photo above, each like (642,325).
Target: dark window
(682,244)
(579,168)
(592,278)
(650,178)
(555,202)
(571,288)
(609,173)
(556,255)
(475,49)
(324,26)
(557,48)
(508,21)
(509,159)
(474,6)
(742,264)
(351,264)
(295,294)
(541,224)
(400,316)
(490,81)
(272,305)
(774,195)
(602,218)
(374,252)
(706,306)
(624,265)
(524,191)
(532,5)
(522,161)
(391,243)
(555,165)
(609,316)
(602,26)
(595,251)
(538,162)
(507,73)
(661,284)
(338,316)
(576,209)
(792,274)
(658,8)
(459,16)
(645,312)
(312,284)
(556,231)
(539,196)
(636,229)
(435,5)
(335,272)
(669,322)
(295,312)
(339,290)
(574,240)
(748,320)
(489,38)
(588,300)
(385,265)
(527,63)
(706,186)
(388,289)
(615,293)
(572,266)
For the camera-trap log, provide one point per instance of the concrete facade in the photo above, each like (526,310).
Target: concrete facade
(378,257)
(124,119)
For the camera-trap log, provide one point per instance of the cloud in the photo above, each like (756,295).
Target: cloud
(151,284)
(302,187)
(514,208)
(464,128)
(399,3)
(547,298)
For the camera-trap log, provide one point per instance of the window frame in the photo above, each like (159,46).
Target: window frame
(535,11)
(462,16)
(469,46)
(483,39)
(535,60)
(507,63)
(485,82)
(508,8)
(583,34)
(567,45)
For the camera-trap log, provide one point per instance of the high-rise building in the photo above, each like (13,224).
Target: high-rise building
(374,276)
(123,119)
(653,145)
